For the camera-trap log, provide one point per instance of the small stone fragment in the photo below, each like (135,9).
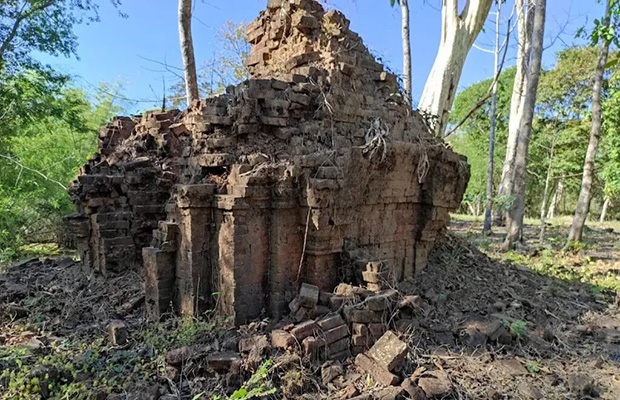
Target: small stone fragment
(360,340)
(318,311)
(414,392)
(312,345)
(529,391)
(247,344)
(324,298)
(143,391)
(349,392)
(302,314)
(344,289)
(338,347)
(435,384)
(509,367)
(335,334)
(337,302)
(281,339)
(376,371)
(330,371)
(224,362)
(389,351)
(178,356)
(390,393)
(303,330)
(362,316)
(382,300)
(360,329)
(330,322)
(117,331)
(294,306)
(376,330)
(376,278)
(171,373)
(308,295)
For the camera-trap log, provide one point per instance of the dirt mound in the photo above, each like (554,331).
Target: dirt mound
(503,331)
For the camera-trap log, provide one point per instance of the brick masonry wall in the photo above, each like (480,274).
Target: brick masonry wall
(311,167)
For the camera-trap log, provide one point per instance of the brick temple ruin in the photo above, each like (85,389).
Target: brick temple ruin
(314,166)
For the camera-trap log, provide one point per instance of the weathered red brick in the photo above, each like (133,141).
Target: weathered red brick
(376,371)
(389,351)
(303,330)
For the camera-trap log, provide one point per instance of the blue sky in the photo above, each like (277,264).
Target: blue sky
(114,50)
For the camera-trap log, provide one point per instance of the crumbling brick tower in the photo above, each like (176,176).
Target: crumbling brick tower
(313,166)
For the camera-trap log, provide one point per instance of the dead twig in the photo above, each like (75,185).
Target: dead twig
(42,175)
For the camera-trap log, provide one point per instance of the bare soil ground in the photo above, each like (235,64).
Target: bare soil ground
(533,324)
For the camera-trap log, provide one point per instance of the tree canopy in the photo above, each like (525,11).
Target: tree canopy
(562,122)
(41,25)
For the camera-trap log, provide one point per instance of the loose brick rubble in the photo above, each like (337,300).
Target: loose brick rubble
(313,170)
(348,328)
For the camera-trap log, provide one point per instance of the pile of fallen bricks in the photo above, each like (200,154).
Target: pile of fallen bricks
(352,322)
(355,334)
(351,313)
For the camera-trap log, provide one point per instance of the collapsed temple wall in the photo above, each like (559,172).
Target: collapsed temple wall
(312,167)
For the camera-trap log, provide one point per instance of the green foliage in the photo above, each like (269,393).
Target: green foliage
(562,125)
(180,332)
(610,145)
(560,265)
(532,366)
(575,247)
(560,129)
(518,328)
(47,132)
(606,29)
(257,385)
(472,138)
(45,26)
(47,129)
(565,91)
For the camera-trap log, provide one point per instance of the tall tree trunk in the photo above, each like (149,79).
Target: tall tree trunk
(187,50)
(604,210)
(486,228)
(516,213)
(543,206)
(585,193)
(408,78)
(458,33)
(557,197)
(525,24)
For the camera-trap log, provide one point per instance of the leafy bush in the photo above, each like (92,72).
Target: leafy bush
(49,134)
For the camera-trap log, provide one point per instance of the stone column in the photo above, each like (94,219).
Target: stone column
(243,242)
(159,281)
(194,266)
(285,247)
